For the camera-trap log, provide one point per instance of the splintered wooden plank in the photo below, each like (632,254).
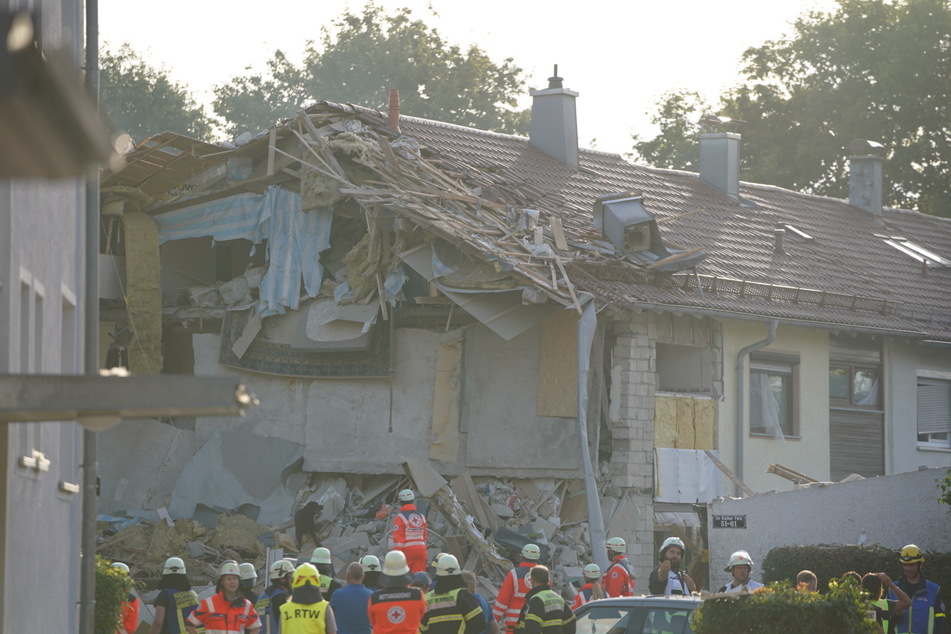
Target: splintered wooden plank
(558,231)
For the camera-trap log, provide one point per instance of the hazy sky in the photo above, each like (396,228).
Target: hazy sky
(621,56)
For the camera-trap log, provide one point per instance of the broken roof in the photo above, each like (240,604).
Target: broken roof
(471,188)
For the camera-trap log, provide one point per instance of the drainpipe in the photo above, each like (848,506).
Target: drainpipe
(90,468)
(587,324)
(741,394)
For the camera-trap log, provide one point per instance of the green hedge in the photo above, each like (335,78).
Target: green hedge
(112,587)
(831,562)
(781,608)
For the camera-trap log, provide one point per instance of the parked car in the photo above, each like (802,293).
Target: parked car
(637,615)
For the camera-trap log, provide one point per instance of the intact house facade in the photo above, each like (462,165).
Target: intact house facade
(396,289)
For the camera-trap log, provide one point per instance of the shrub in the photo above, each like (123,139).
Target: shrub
(781,608)
(112,588)
(831,562)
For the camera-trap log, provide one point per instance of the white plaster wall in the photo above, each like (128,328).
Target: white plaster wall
(902,364)
(894,510)
(809,454)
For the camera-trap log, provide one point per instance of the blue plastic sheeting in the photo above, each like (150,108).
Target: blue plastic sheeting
(295,239)
(116,524)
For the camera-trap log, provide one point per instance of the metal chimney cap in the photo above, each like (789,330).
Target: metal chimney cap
(555,81)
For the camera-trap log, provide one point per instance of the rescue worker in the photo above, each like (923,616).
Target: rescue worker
(175,601)
(450,608)
(307,611)
(269,604)
(882,610)
(511,596)
(806,581)
(227,611)
(619,580)
(591,590)
(668,577)
(371,571)
(927,612)
(396,608)
(350,603)
(740,566)
(249,578)
(324,563)
(544,612)
(130,607)
(422,581)
(410,532)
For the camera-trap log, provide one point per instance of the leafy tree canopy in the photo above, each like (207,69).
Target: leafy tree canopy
(868,69)
(361,58)
(143,100)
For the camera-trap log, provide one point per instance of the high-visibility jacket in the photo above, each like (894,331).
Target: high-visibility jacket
(328,585)
(268,608)
(409,528)
(130,615)
(585,594)
(926,615)
(220,616)
(396,610)
(619,579)
(545,612)
(179,604)
(452,612)
(304,618)
(511,596)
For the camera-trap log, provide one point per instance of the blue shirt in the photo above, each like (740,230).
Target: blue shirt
(349,604)
(486,611)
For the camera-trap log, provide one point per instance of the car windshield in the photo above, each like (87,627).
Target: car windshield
(609,619)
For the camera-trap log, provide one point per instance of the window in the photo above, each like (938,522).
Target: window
(774,390)
(934,412)
(916,251)
(854,386)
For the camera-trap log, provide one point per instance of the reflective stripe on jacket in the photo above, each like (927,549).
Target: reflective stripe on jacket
(220,616)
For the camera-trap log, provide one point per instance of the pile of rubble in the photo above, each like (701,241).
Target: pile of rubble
(484,521)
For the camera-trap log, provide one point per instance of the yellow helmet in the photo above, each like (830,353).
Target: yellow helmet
(306,574)
(911,554)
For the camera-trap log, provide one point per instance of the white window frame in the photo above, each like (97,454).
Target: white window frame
(779,364)
(935,439)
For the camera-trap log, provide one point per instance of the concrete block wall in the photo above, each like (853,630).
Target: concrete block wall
(631,469)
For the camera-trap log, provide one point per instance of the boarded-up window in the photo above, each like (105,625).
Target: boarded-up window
(558,366)
(683,369)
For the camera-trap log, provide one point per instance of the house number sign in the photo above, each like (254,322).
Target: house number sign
(729,521)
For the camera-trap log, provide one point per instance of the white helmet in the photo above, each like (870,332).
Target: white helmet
(173,566)
(320,556)
(121,566)
(229,568)
(447,565)
(247,571)
(370,563)
(394,564)
(616,545)
(280,568)
(592,571)
(672,541)
(531,552)
(407,495)
(739,558)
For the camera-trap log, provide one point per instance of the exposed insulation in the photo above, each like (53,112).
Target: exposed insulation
(143,292)
(317,190)
(684,422)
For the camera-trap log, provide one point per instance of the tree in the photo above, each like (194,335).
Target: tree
(676,145)
(143,100)
(868,69)
(361,58)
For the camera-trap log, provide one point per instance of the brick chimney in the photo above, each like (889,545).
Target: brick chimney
(720,161)
(554,128)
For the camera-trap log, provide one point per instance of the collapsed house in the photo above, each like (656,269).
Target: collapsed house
(613,343)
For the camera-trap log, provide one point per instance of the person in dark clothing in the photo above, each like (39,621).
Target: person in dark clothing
(305,523)
(371,571)
(450,607)
(883,611)
(274,596)
(175,601)
(544,612)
